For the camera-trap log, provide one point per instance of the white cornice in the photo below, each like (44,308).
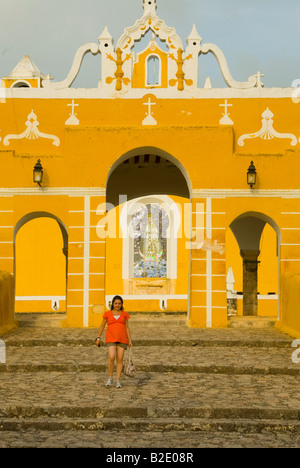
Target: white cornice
(169,93)
(101,192)
(247,193)
(46,191)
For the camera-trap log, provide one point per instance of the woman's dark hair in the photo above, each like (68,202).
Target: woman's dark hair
(115,298)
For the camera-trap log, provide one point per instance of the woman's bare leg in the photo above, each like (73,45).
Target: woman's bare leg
(120,356)
(111,359)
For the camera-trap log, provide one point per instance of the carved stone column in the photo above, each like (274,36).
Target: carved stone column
(250,281)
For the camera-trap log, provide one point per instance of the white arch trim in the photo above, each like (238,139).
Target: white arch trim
(157,152)
(21,82)
(266,219)
(41,214)
(150,56)
(274,225)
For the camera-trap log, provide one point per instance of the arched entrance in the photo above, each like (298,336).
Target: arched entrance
(40,265)
(253,257)
(148,203)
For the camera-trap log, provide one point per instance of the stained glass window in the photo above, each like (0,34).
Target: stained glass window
(150,224)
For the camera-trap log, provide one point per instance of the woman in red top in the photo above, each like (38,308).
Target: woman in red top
(117,337)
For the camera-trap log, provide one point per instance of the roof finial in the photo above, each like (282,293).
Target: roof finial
(149,6)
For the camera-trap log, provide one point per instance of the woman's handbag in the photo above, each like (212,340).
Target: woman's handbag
(128,366)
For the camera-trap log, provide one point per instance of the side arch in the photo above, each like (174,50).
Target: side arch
(258,239)
(40,263)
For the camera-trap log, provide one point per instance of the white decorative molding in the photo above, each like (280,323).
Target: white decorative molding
(246,193)
(32,132)
(149,120)
(67,82)
(72,120)
(149,6)
(26,69)
(2,94)
(139,93)
(184,67)
(53,191)
(226,120)
(207,84)
(267,131)
(254,81)
(40,298)
(149,20)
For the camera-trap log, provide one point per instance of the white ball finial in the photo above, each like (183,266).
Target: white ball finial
(150,6)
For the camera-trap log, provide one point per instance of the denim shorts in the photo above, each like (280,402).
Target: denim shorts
(117,343)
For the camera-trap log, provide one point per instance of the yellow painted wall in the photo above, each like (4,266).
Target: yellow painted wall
(188,132)
(268,268)
(7,293)
(196,121)
(40,265)
(9,82)
(290,300)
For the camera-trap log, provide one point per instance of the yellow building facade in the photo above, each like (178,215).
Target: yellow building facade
(144,190)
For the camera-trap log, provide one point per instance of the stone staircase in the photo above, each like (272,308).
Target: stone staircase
(194,388)
(251,322)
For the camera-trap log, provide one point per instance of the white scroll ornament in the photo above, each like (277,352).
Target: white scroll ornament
(32,132)
(267,131)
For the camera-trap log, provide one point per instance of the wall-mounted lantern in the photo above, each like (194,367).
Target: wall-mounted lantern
(38,173)
(251,175)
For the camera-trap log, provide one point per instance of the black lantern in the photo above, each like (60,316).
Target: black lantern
(251,175)
(38,173)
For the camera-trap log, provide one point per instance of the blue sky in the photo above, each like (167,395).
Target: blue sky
(254,35)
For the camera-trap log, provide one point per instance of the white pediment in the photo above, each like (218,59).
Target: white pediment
(149,21)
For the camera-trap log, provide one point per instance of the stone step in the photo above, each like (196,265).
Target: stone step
(58,320)
(183,359)
(187,357)
(159,368)
(144,443)
(251,322)
(192,388)
(41,320)
(171,335)
(99,413)
(174,342)
(154,424)
(242,420)
(150,390)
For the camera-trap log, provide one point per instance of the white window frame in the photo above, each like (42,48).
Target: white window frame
(171,209)
(147,70)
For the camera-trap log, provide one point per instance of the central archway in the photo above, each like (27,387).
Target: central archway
(148,201)
(147,171)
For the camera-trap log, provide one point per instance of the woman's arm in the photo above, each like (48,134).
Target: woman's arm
(102,326)
(128,334)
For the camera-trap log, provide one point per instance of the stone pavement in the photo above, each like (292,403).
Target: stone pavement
(194,388)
